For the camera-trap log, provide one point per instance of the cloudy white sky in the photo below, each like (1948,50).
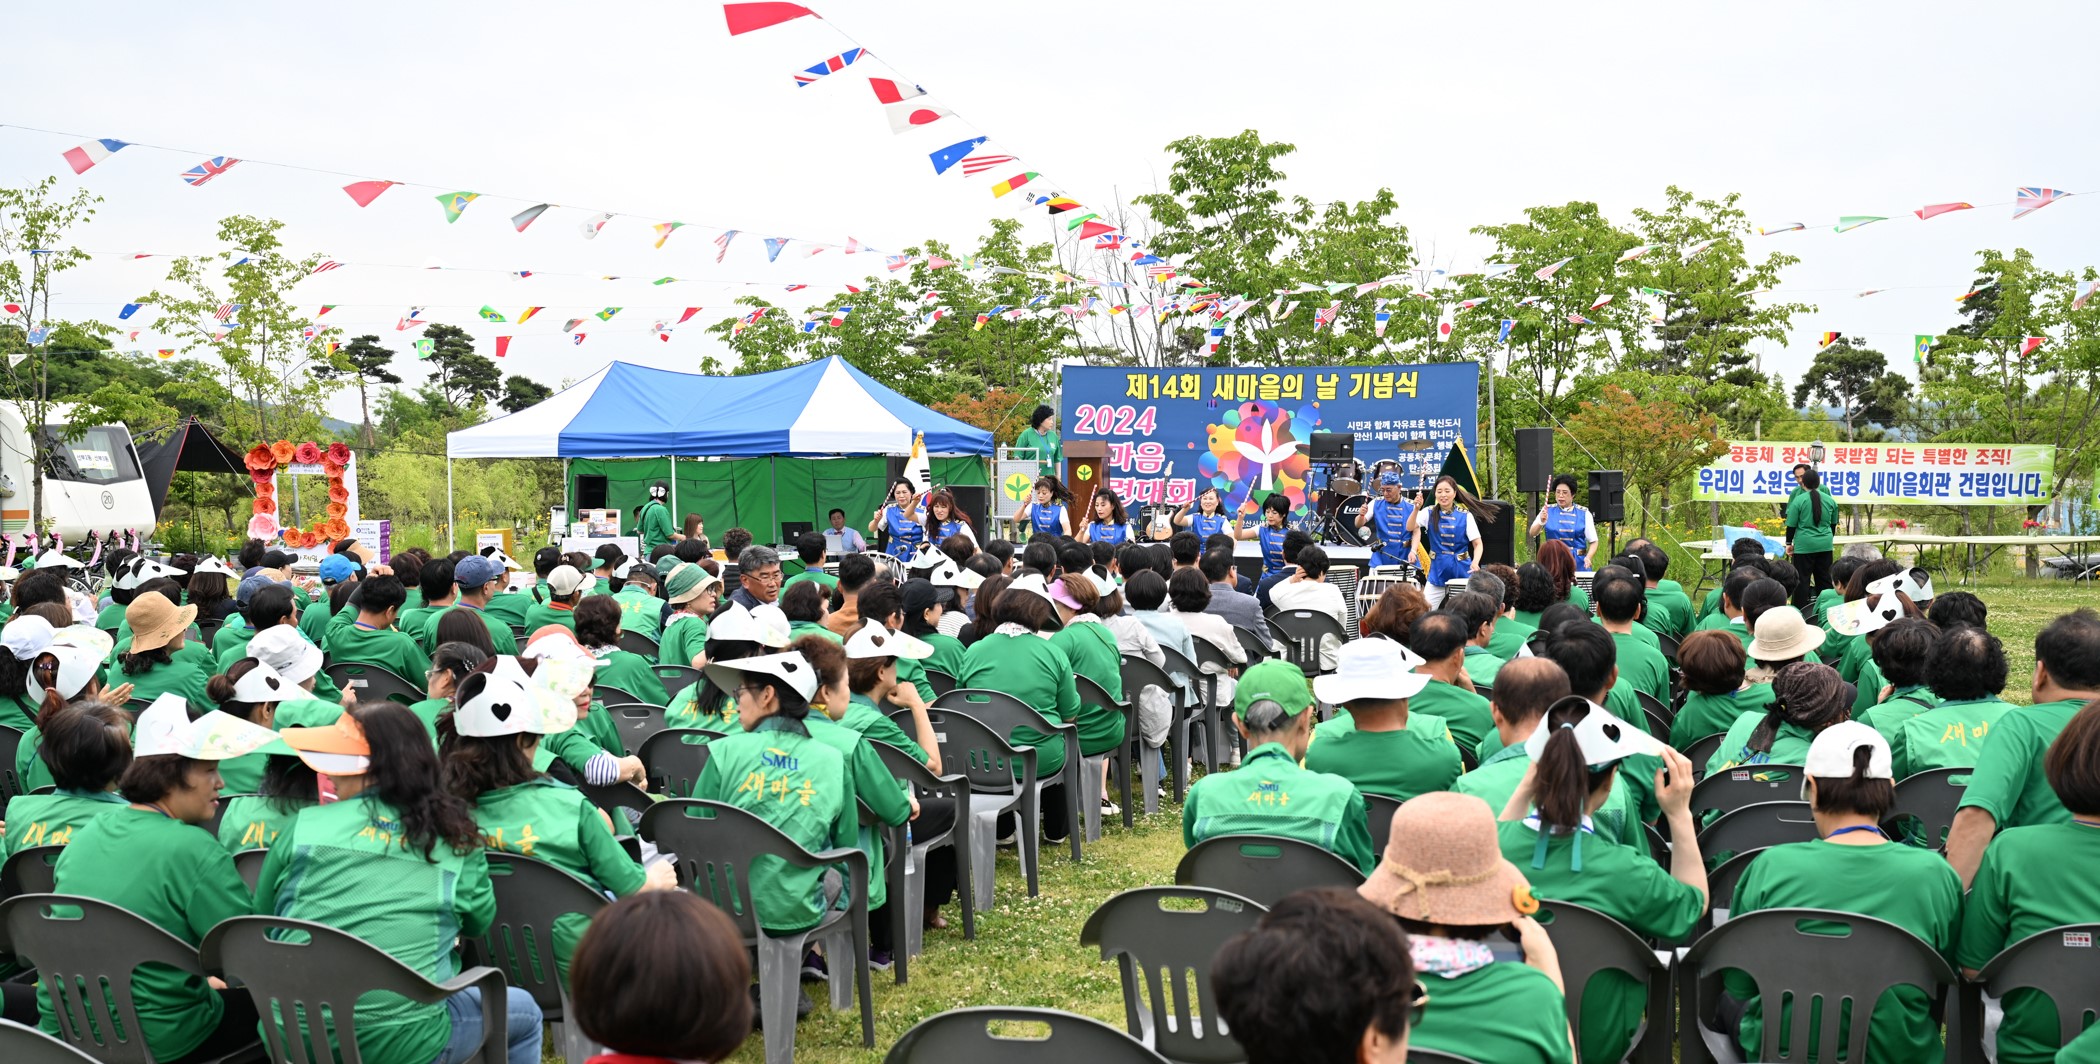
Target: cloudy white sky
(1468,112)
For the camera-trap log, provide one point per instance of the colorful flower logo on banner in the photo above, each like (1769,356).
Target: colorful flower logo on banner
(263,463)
(1254,453)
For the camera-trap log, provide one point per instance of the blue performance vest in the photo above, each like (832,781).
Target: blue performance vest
(1046,519)
(1570,526)
(904,535)
(1271,548)
(1449,546)
(1390,519)
(1207,526)
(952,528)
(1102,533)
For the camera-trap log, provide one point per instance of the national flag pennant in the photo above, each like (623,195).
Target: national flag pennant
(662,330)
(937,314)
(526,314)
(521,274)
(1061,204)
(811,325)
(935,262)
(2029,345)
(308,332)
(687,315)
(325,308)
(1828,339)
(38,335)
(1921,345)
(1544,273)
(752,318)
(1445,325)
(128,311)
(591,225)
(1014,182)
(931,295)
(607,313)
(665,229)
(426,347)
(896,262)
(455,203)
(830,66)
(1934,210)
(325,266)
(2028,200)
(11,308)
(977,164)
(1635,252)
(489,313)
(1288,308)
(1091,228)
(1784,227)
(132,336)
(743,18)
(722,243)
(1601,301)
(578,339)
(571,324)
(1502,334)
(166,352)
(213,167)
(1864,293)
(773,246)
(664,280)
(91,152)
(1530,301)
(1324,316)
(527,216)
(887,91)
(1379,317)
(1108,240)
(1471,301)
(954,153)
(1577,319)
(226,311)
(2084,294)
(1695,250)
(502,346)
(905,117)
(1853,221)
(1976,291)
(796,287)
(364,192)
(1217,336)
(979,323)
(838,317)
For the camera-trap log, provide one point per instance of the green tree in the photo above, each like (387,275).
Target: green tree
(1657,441)
(34,224)
(520,392)
(1856,380)
(363,361)
(465,377)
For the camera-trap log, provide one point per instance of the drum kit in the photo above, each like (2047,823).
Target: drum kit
(1345,488)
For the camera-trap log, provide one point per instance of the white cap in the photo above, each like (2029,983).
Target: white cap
(568,580)
(1371,668)
(1830,755)
(209,564)
(1032,584)
(27,636)
(77,667)
(555,643)
(791,667)
(141,569)
(1869,614)
(875,641)
(1103,586)
(53,557)
(950,574)
(282,648)
(773,625)
(1917,583)
(506,701)
(165,727)
(262,684)
(1602,738)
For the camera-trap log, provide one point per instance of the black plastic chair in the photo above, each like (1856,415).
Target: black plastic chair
(1002,780)
(637,722)
(1139,674)
(30,870)
(1300,633)
(1007,714)
(1731,789)
(1658,846)
(715,846)
(965,1034)
(248,864)
(27,1045)
(907,923)
(1263,868)
(530,896)
(208,629)
(1091,693)
(673,764)
(1701,751)
(373,683)
(637,643)
(1218,736)
(218,813)
(1720,889)
(2057,962)
(1756,826)
(941,682)
(1379,810)
(10,784)
(613,696)
(1668,644)
(289,978)
(85,953)
(1254,643)
(1819,972)
(617,799)
(1931,797)
(675,678)
(1590,942)
(1160,951)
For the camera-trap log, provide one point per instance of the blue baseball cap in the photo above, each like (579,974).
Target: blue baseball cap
(245,593)
(474,570)
(336,568)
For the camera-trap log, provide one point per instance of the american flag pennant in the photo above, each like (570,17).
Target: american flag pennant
(84,157)
(502,346)
(592,224)
(665,229)
(226,311)
(1635,252)
(1601,301)
(1546,272)
(977,164)
(324,267)
(210,168)
(1783,227)
(838,317)
(526,314)
(1934,210)
(888,91)
(455,204)
(954,153)
(364,192)
(773,246)
(2030,199)
(826,67)
(527,216)
(2029,345)
(722,243)
(1693,251)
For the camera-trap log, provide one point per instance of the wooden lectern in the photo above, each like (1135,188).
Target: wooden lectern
(1086,469)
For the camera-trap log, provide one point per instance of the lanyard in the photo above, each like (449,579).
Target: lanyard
(1857,827)
(2086,823)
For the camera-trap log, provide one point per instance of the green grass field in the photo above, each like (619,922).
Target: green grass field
(1027,950)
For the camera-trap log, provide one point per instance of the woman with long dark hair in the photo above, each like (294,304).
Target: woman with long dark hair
(900,519)
(944,519)
(1046,514)
(1210,518)
(1110,523)
(1451,532)
(1806,700)
(1811,525)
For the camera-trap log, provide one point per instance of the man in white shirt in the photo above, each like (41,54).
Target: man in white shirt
(1308,589)
(839,539)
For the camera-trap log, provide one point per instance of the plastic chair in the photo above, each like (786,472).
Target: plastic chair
(2057,962)
(1002,780)
(637,720)
(1139,674)
(1820,971)
(1300,632)
(373,683)
(906,879)
(1756,826)
(1720,889)
(617,798)
(208,629)
(30,870)
(1254,643)
(1263,868)
(1590,942)
(10,784)
(1658,847)
(1654,705)
(941,682)
(673,764)
(637,643)
(1007,713)
(715,846)
(1668,645)
(85,953)
(27,1045)
(328,971)
(1702,751)
(1930,796)
(613,696)
(1379,810)
(675,678)
(530,896)
(1091,693)
(1743,785)
(218,815)
(1217,737)
(249,865)
(1160,951)
(965,1034)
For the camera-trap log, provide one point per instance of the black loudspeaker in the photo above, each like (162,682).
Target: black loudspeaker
(1534,459)
(1608,495)
(972,501)
(590,493)
(1498,538)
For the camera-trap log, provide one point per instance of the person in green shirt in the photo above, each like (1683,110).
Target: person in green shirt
(264,603)
(566,586)
(1041,442)
(151,665)
(252,691)
(1576,752)
(1806,700)
(1901,653)
(1966,672)
(1331,938)
(1529,686)
(478,578)
(1481,612)
(922,616)
(1443,875)
(1779,635)
(1439,640)
(338,573)
(598,629)
(1375,742)
(439,594)
(1270,793)
(1535,594)
(805,612)
(1852,867)
(1620,597)
(448,668)
(1811,522)
(641,608)
(62,674)
(146,856)
(692,593)
(399,862)
(372,639)
(2037,877)
(652,520)
(1017,657)
(1092,649)
(85,748)
(809,554)
(21,641)
(1669,608)
(872,654)
(1716,692)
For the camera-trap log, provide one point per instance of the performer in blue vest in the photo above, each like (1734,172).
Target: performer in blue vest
(944,519)
(1210,518)
(1110,523)
(1449,532)
(901,520)
(1046,515)
(1389,516)
(1275,518)
(1571,524)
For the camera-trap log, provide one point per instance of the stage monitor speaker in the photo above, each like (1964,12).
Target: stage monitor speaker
(1535,460)
(590,492)
(972,500)
(1498,537)
(1607,498)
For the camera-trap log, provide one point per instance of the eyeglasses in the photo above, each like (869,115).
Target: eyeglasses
(765,575)
(751,689)
(1417,1003)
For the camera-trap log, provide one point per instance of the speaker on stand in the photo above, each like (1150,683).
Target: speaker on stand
(1534,464)
(1607,500)
(1498,538)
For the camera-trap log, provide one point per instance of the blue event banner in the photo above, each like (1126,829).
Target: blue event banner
(1173,432)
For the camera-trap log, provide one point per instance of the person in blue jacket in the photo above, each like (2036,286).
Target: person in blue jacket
(1571,524)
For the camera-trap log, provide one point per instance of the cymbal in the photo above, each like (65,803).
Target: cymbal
(1415,445)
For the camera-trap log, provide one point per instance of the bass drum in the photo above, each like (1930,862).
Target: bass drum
(1345,517)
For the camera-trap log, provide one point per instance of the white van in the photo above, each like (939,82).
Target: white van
(95,484)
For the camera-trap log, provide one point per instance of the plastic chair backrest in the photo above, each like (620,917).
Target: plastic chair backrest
(1139,674)
(613,696)
(1590,942)
(80,945)
(1379,810)
(249,865)
(1733,788)
(1846,959)
(1720,883)
(1263,868)
(1178,664)
(965,1034)
(672,764)
(1701,751)
(637,643)
(978,752)
(715,844)
(1251,641)
(1932,796)
(297,971)
(2059,963)
(637,722)
(1091,693)
(1668,645)
(10,784)
(530,896)
(27,1045)
(373,683)
(1756,826)
(614,798)
(1167,949)
(941,682)
(1655,706)
(1301,631)
(30,870)
(676,678)
(208,629)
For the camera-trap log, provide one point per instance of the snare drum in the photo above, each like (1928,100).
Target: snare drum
(1348,478)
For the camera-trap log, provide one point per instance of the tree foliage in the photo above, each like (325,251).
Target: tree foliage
(1856,380)
(1656,441)
(364,363)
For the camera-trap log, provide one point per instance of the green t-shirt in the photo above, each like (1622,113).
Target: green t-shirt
(2008,782)
(555,823)
(1704,714)
(947,654)
(796,784)
(1466,713)
(1914,889)
(510,607)
(51,819)
(1507,1012)
(640,611)
(231,644)
(1789,745)
(682,640)
(871,785)
(1949,735)
(1271,794)
(1508,637)
(863,717)
(1855,656)
(541,614)
(1641,665)
(1419,758)
(253,822)
(1887,717)
(685,711)
(1812,534)
(181,675)
(1620,882)
(1482,665)
(632,673)
(18,712)
(428,711)
(654,525)
(346,865)
(421,625)
(798,629)
(1048,448)
(2031,879)
(313,620)
(29,768)
(396,652)
(180,880)
(111,617)
(815,576)
(1617,820)
(913,672)
(1035,671)
(1660,616)
(1092,649)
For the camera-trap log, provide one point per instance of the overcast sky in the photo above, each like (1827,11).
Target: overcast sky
(1469,113)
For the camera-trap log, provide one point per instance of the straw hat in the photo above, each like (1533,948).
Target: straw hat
(1443,864)
(687,582)
(155,622)
(1782,633)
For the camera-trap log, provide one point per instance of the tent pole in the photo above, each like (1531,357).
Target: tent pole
(674,494)
(451,537)
(554,534)
(775,466)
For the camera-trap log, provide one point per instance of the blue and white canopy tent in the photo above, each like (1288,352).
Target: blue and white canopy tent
(823,408)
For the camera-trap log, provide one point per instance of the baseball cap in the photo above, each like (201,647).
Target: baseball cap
(337,568)
(1371,668)
(636,569)
(1273,680)
(278,559)
(1830,755)
(252,584)
(474,571)
(917,595)
(568,580)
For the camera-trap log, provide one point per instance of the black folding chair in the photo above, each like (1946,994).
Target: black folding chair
(966,1035)
(1379,810)
(1162,940)
(1263,868)
(372,683)
(672,760)
(1926,803)
(676,678)
(1589,942)
(637,643)
(1734,788)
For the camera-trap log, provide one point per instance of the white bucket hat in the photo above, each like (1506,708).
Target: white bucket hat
(791,667)
(1371,668)
(875,641)
(283,649)
(1782,633)
(165,727)
(1830,755)
(1602,738)
(507,701)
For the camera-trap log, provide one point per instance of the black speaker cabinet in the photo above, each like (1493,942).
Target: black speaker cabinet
(590,492)
(1608,495)
(1498,538)
(973,500)
(1534,459)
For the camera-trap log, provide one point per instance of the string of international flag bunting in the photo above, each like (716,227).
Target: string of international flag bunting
(1164,291)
